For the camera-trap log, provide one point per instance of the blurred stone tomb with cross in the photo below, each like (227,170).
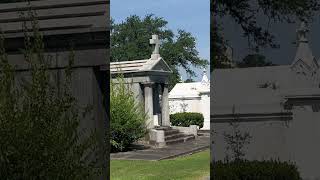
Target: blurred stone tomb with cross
(279,106)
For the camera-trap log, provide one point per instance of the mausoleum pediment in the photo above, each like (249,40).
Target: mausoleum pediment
(304,61)
(138,66)
(145,67)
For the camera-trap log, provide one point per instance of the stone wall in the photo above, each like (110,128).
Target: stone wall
(297,141)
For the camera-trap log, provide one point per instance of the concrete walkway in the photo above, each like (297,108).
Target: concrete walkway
(172,151)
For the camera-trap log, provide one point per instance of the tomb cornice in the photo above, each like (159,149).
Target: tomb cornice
(251,117)
(80,22)
(61,59)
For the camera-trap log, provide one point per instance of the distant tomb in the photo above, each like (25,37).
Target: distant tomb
(192,97)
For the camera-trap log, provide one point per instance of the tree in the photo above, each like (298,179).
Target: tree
(254,60)
(236,142)
(39,122)
(245,12)
(130,41)
(189,80)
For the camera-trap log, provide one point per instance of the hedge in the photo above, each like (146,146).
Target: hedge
(254,170)
(186,119)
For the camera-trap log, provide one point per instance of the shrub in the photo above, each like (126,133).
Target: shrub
(186,119)
(253,170)
(236,141)
(127,123)
(39,127)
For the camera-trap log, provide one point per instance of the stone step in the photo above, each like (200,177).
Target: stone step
(173,136)
(204,131)
(162,128)
(189,137)
(175,141)
(171,132)
(180,139)
(204,134)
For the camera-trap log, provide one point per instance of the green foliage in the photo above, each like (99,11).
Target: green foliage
(254,60)
(186,119)
(218,45)
(127,123)
(130,41)
(253,170)
(39,123)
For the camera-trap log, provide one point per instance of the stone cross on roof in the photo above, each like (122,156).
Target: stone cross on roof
(304,54)
(302,33)
(155,40)
(205,79)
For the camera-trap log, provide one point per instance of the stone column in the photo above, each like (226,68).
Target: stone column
(148,104)
(165,106)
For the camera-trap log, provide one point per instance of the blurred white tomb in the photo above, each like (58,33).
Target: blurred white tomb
(192,97)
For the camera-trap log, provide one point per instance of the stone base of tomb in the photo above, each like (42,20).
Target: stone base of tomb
(163,136)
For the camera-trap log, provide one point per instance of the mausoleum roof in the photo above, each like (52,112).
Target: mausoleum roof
(186,90)
(190,90)
(144,65)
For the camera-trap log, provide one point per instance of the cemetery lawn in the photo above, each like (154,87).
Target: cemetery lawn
(192,167)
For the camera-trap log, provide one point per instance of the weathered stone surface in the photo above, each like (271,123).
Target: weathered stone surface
(85,23)
(80,21)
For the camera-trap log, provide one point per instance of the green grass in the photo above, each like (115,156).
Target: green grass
(193,167)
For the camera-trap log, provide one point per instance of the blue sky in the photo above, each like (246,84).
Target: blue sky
(190,15)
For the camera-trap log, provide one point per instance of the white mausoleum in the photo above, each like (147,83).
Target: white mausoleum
(192,97)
